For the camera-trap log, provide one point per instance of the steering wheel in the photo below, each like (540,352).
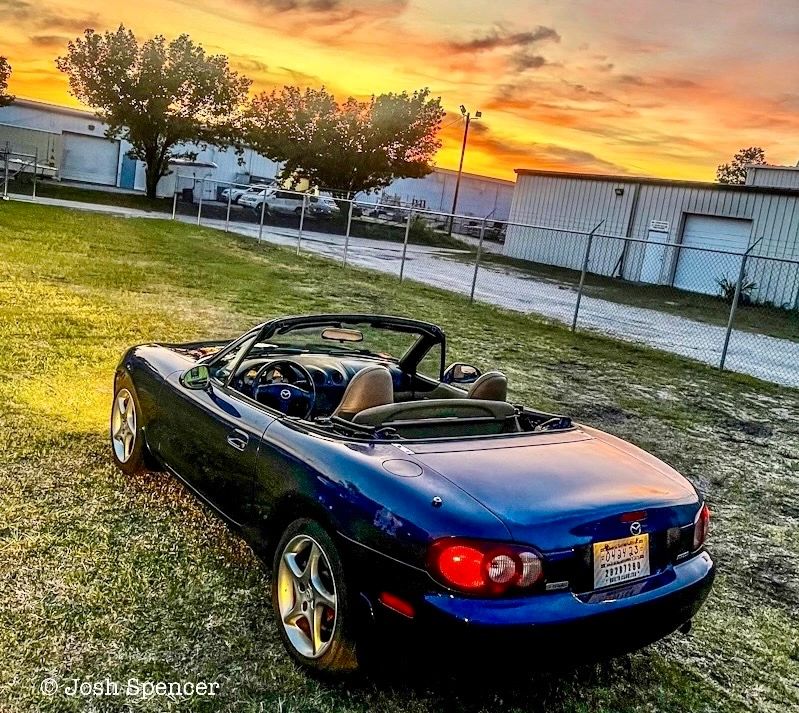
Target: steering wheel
(288,397)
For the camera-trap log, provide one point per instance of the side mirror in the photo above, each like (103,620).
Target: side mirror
(198,377)
(459,373)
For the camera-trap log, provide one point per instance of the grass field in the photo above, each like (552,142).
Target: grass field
(104,576)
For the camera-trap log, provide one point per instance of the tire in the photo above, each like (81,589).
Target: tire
(301,593)
(129,457)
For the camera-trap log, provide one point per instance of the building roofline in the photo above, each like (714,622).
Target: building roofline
(650,180)
(453,172)
(771,166)
(58,108)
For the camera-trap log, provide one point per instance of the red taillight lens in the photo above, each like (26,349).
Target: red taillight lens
(701,527)
(484,567)
(461,566)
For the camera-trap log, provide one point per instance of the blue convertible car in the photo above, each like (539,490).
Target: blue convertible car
(390,491)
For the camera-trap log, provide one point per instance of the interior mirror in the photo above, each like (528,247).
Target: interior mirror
(459,373)
(198,377)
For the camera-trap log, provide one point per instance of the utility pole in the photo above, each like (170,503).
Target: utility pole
(466,115)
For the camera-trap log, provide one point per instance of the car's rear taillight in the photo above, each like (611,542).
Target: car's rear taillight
(701,527)
(489,568)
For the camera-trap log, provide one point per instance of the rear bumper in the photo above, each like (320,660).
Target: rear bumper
(560,626)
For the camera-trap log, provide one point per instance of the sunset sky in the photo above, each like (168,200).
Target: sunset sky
(658,87)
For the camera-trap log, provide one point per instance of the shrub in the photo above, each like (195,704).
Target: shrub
(727,288)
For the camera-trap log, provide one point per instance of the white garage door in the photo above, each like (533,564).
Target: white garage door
(89,158)
(698,270)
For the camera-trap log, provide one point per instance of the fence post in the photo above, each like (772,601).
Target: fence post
(734,306)
(405,244)
(477,259)
(263,215)
(5,174)
(302,220)
(175,199)
(229,202)
(347,235)
(35,169)
(582,274)
(200,204)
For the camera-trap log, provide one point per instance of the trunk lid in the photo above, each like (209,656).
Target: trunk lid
(562,491)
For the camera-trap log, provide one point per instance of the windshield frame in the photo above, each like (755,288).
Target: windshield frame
(429,335)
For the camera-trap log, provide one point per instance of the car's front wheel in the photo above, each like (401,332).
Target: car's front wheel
(127,434)
(311,600)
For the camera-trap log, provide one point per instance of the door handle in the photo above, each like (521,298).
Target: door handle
(238,440)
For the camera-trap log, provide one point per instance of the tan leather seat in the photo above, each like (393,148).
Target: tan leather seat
(370,387)
(491,386)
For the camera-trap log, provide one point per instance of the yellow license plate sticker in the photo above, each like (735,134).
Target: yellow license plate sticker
(623,560)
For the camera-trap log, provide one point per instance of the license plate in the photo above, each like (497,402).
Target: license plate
(617,561)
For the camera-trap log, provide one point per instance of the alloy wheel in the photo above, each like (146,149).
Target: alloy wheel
(123,425)
(307,596)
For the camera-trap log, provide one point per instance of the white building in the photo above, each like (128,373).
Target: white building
(479,196)
(679,226)
(74,141)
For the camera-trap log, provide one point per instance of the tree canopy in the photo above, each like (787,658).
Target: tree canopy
(157,94)
(5,74)
(735,171)
(349,147)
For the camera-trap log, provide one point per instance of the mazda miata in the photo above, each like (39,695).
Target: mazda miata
(390,493)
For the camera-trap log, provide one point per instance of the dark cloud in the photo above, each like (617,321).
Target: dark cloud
(48,41)
(301,78)
(499,38)
(39,17)
(523,61)
(634,80)
(245,63)
(347,8)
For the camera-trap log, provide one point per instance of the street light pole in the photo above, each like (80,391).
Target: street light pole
(468,116)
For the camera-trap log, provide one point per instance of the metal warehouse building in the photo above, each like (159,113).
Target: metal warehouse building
(686,234)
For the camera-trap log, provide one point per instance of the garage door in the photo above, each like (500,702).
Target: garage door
(698,270)
(89,158)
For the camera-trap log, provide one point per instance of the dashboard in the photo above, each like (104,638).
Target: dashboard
(331,375)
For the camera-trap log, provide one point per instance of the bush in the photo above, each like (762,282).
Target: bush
(727,289)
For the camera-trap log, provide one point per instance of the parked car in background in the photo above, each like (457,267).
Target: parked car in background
(282,202)
(236,192)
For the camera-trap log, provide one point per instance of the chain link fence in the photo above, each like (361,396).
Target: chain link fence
(730,310)
(737,311)
(22,164)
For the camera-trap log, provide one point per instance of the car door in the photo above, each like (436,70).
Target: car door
(211,440)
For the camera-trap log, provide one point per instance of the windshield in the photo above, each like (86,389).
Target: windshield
(384,342)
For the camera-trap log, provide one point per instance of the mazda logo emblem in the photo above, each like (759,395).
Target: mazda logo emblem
(635,528)
(285,394)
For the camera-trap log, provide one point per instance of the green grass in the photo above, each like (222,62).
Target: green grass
(105,576)
(763,319)
(53,189)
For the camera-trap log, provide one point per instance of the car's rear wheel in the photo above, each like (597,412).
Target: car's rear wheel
(127,434)
(311,600)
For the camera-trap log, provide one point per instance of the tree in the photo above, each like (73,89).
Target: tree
(157,95)
(350,147)
(735,171)
(5,73)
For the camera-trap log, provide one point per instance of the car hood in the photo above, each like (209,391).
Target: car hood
(558,491)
